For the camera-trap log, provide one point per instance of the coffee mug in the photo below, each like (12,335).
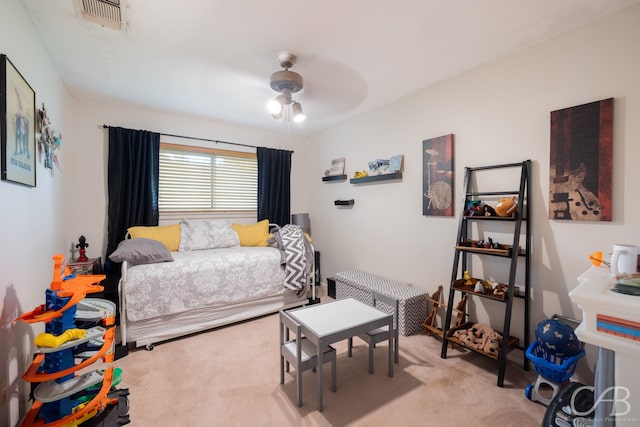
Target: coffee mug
(624,259)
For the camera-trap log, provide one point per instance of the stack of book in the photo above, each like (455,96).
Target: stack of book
(627,286)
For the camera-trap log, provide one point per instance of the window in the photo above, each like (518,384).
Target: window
(198,179)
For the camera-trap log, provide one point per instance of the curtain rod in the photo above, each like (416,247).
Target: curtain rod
(199,139)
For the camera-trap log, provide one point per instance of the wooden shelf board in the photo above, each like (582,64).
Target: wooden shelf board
(459,285)
(490,218)
(513,342)
(488,251)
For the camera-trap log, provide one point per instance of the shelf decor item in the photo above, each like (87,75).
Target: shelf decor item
(17,126)
(378,167)
(395,163)
(82,247)
(337,167)
(506,206)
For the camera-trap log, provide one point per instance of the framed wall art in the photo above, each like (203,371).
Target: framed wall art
(437,180)
(581,162)
(17,126)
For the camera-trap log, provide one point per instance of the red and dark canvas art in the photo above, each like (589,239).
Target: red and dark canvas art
(437,181)
(581,165)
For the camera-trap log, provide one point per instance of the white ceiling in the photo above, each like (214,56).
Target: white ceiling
(213,58)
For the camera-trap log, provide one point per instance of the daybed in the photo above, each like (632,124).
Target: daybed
(219,273)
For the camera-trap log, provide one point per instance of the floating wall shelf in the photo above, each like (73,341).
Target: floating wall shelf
(349,202)
(334,178)
(383,177)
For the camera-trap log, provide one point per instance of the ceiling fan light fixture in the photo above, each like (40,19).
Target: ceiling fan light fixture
(276,105)
(286,83)
(286,80)
(298,114)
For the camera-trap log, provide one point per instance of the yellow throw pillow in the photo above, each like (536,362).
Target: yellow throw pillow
(169,235)
(253,234)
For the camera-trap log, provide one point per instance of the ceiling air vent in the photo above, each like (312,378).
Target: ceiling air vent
(104,12)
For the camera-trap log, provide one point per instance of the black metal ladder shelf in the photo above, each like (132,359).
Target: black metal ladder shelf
(518,253)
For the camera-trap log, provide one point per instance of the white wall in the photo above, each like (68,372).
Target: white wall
(33,220)
(89,156)
(499,113)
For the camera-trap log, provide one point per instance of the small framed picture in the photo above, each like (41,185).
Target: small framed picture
(395,163)
(337,167)
(17,126)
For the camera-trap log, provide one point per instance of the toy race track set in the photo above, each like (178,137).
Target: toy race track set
(78,332)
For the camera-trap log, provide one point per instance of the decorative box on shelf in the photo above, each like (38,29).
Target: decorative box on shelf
(91,266)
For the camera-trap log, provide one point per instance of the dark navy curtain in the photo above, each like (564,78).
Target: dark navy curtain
(274,185)
(133,175)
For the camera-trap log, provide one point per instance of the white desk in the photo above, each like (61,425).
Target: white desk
(593,295)
(325,324)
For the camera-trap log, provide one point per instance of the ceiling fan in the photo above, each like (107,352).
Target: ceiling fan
(286,83)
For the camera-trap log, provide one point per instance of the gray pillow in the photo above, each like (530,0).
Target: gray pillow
(141,251)
(207,234)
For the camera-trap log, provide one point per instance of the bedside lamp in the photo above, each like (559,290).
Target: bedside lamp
(302,219)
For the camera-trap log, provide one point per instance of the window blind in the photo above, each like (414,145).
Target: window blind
(201,179)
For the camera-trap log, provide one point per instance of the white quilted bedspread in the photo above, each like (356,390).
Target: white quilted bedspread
(204,278)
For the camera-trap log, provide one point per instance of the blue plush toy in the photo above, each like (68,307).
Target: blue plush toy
(557,338)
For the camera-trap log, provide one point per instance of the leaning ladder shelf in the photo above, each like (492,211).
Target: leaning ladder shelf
(521,254)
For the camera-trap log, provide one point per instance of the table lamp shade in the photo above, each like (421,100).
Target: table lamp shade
(302,219)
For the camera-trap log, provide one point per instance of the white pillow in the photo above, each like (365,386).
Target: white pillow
(207,234)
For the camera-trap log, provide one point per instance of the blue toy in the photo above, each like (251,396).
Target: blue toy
(557,338)
(555,354)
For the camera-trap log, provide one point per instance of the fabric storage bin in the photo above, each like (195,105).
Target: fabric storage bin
(412,303)
(359,284)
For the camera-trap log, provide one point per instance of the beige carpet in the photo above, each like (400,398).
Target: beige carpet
(230,377)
